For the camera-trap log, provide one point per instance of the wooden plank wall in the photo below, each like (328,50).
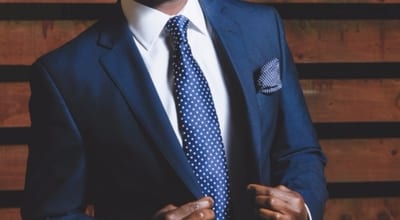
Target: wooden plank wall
(348,57)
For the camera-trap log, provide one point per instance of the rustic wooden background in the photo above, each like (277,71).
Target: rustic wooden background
(348,56)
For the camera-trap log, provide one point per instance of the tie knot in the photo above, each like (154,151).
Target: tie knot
(177,29)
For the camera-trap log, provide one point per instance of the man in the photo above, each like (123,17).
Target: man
(109,127)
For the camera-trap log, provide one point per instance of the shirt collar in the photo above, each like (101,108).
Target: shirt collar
(141,17)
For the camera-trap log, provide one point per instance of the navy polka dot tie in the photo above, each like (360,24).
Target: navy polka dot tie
(198,123)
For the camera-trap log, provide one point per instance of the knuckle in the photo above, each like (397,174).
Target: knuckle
(271,201)
(299,201)
(297,195)
(193,206)
(198,215)
(270,192)
(205,214)
(209,213)
(169,207)
(169,216)
(281,187)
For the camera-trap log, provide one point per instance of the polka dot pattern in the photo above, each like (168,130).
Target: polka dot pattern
(201,135)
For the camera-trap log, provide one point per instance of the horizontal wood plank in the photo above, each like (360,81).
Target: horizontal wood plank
(310,40)
(353,100)
(22,42)
(14,99)
(362,160)
(344,41)
(363,209)
(10,214)
(13,167)
(349,160)
(359,100)
(336,209)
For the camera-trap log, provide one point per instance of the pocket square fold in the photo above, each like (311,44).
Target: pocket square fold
(269,79)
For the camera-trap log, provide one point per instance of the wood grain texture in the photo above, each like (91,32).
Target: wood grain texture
(10,214)
(14,98)
(363,209)
(21,42)
(349,160)
(362,160)
(344,41)
(353,100)
(328,101)
(12,167)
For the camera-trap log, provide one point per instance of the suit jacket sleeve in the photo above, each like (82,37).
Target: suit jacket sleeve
(56,174)
(297,160)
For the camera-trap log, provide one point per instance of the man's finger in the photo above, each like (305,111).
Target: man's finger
(166,209)
(186,210)
(280,192)
(199,209)
(278,202)
(272,203)
(204,214)
(268,214)
(260,189)
(284,188)
(256,187)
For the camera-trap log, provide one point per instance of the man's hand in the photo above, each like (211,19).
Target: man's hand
(278,203)
(200,209)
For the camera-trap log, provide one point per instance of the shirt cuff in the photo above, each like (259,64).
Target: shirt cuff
(308,212)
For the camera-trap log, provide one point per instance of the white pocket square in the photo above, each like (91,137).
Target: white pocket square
(269,79)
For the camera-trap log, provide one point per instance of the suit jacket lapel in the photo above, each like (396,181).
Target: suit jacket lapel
(230,35)
(126,69)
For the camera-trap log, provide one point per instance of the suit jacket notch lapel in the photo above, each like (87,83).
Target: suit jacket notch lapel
(127,70)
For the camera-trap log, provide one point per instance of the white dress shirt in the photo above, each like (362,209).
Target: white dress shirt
(147,25)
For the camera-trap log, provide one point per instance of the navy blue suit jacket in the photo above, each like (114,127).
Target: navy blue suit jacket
(100,134)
